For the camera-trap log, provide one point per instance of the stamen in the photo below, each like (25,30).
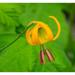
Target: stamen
(42,61)
(49,55)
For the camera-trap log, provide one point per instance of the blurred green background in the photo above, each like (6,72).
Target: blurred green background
(22,57)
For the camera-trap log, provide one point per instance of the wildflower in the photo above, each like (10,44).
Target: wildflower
(41,33)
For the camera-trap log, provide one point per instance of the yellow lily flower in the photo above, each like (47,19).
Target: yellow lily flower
(40,34)
(34,36)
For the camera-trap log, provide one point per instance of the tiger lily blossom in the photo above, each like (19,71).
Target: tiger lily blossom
(40,34)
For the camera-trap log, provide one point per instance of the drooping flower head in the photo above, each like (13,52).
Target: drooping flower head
(41,33)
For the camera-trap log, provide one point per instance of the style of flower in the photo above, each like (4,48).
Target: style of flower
(41,33)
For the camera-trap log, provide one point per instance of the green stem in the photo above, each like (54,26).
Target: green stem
(42,47)
(2,49)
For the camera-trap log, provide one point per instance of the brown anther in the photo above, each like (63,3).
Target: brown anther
(42,61)
(49,55)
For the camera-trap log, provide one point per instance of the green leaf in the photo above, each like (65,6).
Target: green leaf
(9,14)
(18,56)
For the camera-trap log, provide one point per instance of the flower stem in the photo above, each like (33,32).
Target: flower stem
(18,36)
